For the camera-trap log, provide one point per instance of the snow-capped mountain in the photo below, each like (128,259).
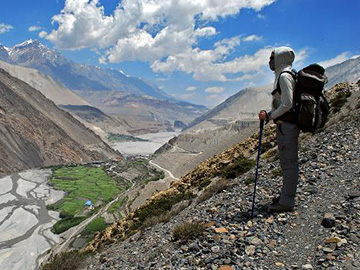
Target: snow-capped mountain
(32,53)
(101,84)
(4,54)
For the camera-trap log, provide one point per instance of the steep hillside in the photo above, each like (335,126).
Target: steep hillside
(211,227)
(348,71)
(229,123)
(35,132)
(46,85)
(101,123)
(244,105)
(186,151)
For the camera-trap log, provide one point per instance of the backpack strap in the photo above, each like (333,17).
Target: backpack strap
(278,89)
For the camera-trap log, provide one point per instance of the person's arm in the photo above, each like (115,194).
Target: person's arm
(287,85)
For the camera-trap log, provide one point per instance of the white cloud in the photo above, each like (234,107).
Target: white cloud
(191,88)
(142,29)
(34,28)
(252,38)
(206,65)
(336,60)
(4,28)
(261,17)
(205,31)
(43,34)
(215,90)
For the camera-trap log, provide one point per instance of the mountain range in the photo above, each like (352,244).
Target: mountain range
(100,84)
(347,71)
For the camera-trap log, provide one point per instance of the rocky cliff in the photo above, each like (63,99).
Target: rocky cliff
(322,233)
(35,132)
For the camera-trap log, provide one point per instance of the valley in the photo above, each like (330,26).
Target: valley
(45,209)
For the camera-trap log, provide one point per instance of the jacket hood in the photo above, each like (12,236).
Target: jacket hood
(284,57)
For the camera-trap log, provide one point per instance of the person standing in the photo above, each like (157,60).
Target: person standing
(287,132)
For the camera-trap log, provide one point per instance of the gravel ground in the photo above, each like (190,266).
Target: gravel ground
(322,233)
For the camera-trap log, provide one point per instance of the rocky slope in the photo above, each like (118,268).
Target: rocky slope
(35,132)
(242,106)
(322,233)
(348,71)
(186,151)
(45,84)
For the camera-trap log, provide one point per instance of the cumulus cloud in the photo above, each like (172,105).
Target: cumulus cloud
(336,60)
(4,28)
(215,90)
(162,32)
(191,88)
(206,65)
(252,38)
(34,28)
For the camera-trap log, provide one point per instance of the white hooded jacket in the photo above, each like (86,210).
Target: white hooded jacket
(284,57)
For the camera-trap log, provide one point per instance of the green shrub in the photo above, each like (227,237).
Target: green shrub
(66,223)
(265,146)
(205,182)
(240,166)
(188,231)
(249,181)
(160,207)
(339,101)
(71,260)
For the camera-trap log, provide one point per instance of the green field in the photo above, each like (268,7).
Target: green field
(97,225)
(82,183)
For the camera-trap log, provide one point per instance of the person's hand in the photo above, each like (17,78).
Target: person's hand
(263,115)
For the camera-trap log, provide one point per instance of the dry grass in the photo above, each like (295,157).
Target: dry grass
(71,260)
(188,231)
(213,189)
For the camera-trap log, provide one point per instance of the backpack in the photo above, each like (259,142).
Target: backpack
(310,108)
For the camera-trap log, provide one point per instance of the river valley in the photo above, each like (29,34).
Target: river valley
(25,222)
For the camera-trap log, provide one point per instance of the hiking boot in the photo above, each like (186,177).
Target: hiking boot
(275,200)
(278,208)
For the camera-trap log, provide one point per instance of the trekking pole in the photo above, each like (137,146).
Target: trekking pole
(257,167)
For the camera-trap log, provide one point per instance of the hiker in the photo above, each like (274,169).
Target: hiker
(287,132)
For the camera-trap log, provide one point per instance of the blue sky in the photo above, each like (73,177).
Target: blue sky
(201,51)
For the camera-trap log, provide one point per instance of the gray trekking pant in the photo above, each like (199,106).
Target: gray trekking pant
(287,139)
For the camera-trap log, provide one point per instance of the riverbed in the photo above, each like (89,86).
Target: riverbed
(155,141)
(25,222)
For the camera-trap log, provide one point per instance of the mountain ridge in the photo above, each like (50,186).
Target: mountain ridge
(35,132)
